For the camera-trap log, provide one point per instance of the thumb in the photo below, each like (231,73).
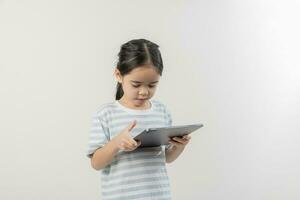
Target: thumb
(131,126)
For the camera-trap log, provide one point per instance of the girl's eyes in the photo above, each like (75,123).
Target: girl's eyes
(151,86)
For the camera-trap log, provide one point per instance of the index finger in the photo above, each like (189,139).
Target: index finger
(131,126)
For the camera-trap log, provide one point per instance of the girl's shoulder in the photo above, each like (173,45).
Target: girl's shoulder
(104,109)
(160,105)
(157,102)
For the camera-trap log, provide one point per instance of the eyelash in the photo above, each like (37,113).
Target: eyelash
(151,86)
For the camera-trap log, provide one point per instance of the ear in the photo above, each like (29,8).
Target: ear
(118,75)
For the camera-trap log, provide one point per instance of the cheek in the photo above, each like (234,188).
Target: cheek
(152,91)
(129,90)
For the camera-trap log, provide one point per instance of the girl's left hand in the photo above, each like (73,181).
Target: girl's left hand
(180,141)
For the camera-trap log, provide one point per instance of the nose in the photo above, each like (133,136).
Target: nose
(143,92)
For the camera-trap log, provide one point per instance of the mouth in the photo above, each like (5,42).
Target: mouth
(141,99)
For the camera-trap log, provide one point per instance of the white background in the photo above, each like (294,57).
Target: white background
(232,65)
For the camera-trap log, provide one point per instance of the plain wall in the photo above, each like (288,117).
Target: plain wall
(232,65)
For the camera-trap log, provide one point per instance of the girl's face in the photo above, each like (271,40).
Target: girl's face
(139,86)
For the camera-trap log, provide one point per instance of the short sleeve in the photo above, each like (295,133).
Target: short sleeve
(99,135)
(168,115)
(169,122)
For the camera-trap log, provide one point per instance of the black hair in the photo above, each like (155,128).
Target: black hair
(136,53)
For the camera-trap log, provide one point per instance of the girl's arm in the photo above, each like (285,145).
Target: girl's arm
(103,156)
(178,145)
(123,141)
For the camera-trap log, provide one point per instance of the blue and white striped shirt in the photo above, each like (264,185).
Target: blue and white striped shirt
(139,174)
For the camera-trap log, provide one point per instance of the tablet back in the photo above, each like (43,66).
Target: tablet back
(160,136)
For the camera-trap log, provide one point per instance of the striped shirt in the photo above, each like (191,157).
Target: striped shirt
(139,174)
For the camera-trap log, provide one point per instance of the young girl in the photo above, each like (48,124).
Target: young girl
(129,172)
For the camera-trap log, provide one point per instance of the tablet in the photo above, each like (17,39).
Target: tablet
(154,137)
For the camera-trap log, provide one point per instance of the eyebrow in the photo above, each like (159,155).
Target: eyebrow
(142,82)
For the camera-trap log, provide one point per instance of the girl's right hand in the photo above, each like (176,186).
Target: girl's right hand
(124,140)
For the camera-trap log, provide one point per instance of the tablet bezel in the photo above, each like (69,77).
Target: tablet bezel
(154,137)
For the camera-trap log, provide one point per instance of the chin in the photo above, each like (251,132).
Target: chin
(138,102)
